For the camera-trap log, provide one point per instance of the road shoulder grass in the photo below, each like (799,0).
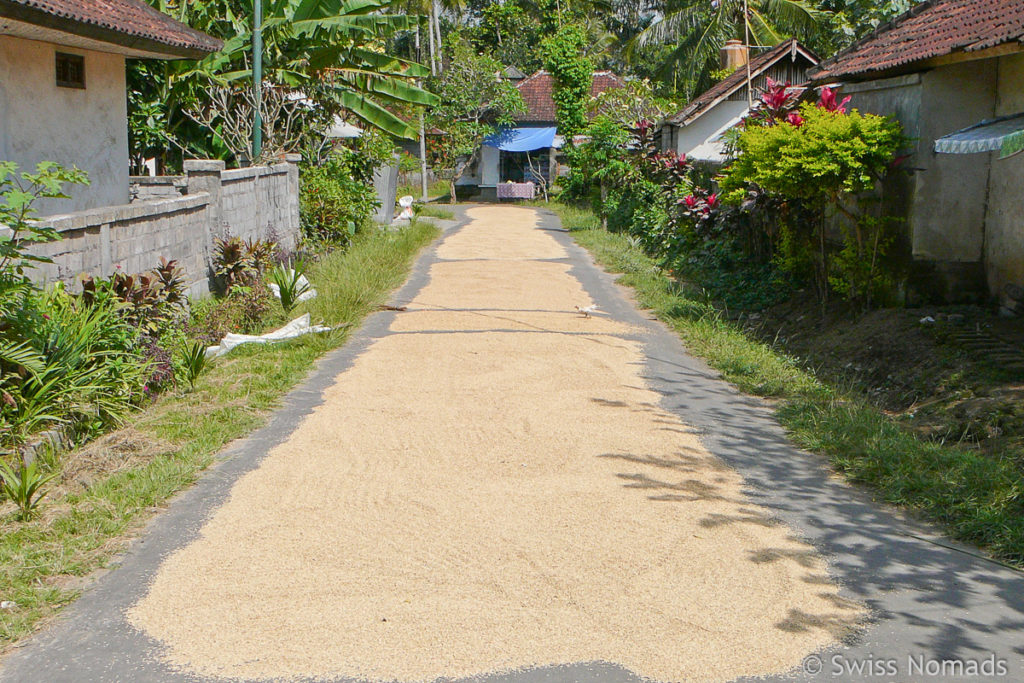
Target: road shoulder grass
(975,497)
(88,519)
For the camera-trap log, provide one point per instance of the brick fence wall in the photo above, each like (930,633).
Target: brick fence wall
(259,202)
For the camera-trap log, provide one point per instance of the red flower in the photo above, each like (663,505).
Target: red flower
(828,101)
(690,201)
(794,119)
(713,200)
(898,160)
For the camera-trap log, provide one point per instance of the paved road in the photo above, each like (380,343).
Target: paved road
(488,482)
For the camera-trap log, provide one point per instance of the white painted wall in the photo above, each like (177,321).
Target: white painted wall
(86,128)
(485,171)
(490,166)
(697,140)
(1004,220)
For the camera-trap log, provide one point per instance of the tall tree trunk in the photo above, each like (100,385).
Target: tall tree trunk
(433,47)
(437,27)
(423,136)
(423,157)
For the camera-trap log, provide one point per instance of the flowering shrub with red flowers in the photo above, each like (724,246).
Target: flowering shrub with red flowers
(824,159)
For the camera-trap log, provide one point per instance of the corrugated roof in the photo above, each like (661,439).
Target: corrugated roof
(934,28)
(536,91)
(129,23)
(738,79)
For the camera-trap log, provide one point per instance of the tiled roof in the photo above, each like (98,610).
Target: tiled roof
(738,78)
(931,29)
(536,91)
(129,23)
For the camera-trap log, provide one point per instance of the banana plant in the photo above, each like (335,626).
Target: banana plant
(330,49)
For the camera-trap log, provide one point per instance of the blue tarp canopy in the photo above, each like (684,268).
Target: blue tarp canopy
(1005,135)
(522,139)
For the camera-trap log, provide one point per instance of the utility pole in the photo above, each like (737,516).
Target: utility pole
(257,78)
(746,37)
(423,134)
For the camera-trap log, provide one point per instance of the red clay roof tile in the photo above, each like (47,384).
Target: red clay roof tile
(931,29)
(130,18)
(536,91)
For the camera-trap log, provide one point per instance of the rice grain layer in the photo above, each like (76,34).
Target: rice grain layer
(492,486)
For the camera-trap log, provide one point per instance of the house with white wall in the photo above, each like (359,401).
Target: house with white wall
(697,129)
(952,72)
(63,96)
(533,140)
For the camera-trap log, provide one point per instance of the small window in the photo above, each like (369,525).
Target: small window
(70,71)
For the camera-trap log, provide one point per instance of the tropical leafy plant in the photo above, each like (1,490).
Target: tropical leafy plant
(193,357)
(291,283)
(823,158)
(171,278)
(24,486)
(565,58)
(328,50)
(18,193)
(335,199)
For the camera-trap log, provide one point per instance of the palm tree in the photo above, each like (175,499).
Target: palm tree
(699,29)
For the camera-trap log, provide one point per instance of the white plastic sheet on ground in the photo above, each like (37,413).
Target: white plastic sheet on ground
(303,282)
(296,328)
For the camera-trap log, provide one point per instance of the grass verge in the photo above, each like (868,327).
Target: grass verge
(977,498)
(167,447)
(434,211)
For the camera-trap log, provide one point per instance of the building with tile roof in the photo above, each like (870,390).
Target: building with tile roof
(530,147)
(63,95)
(696,129)
(537,89)
(952,72)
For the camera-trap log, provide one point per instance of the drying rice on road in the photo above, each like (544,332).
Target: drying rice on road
(492,486)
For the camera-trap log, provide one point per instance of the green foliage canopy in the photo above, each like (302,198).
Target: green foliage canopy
(828,155)
(573,74)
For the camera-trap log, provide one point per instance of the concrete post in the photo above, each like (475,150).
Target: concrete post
(106,255)
(385,181)
(203,175)
(294,222)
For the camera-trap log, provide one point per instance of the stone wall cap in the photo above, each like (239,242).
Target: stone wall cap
(204,165)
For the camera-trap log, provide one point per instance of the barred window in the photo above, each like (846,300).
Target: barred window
(70,71)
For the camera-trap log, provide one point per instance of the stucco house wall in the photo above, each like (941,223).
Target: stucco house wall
(35,124)
(1004,221)
(943,200)
(698,138)
(948,213)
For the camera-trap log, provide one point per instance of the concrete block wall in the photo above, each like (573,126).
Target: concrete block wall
(261,202)
(251,203)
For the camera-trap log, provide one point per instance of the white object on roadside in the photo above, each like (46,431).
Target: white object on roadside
(8,604)
(927,320)
(406,203)
(296,328)
(588,311)
(310,293)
